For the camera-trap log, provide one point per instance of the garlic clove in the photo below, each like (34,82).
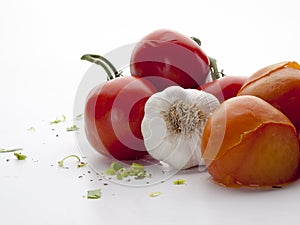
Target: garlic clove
(183,151)
(154,132)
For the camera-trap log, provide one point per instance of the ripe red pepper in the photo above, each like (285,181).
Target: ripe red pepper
(113,114)
(172,57)
(225,87)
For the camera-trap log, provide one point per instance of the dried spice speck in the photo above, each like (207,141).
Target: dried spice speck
(275,186)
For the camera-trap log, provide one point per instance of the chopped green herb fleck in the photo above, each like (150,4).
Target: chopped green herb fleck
(116,166)
(20,156)
(179,182)
(140,175)
(119,176)
(80,163)
(125,173)
(79,116)
(59,120)
(137,166)
(72,128)
(110,172)
(31,129)
(2,150)
(94,194)
(155,194)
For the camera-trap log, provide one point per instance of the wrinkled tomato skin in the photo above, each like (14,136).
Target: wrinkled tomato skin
(225,87)
(113,114)
(279,85)
(170,55)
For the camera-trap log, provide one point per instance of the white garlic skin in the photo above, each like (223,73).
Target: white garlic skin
(181,149)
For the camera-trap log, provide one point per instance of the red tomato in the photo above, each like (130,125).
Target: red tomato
(175,58)
(225,87)
(113,114)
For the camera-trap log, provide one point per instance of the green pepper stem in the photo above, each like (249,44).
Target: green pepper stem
(109,68)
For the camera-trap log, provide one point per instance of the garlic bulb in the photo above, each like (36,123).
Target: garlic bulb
(173,124)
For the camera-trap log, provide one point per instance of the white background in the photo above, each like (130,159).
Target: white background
(41,43)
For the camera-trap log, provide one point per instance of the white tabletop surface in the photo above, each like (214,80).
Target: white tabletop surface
(41,43)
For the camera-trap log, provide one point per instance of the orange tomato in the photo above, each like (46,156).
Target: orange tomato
(278,84)
(247,141)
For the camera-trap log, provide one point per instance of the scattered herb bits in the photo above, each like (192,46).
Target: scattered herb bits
(136,170)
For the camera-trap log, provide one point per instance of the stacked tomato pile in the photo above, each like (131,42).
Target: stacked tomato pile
(243,128)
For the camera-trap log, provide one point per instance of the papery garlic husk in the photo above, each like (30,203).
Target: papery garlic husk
(173,125)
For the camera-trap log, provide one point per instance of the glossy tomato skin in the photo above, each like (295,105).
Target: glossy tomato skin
(225,87)
(113,114)
(172,56)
